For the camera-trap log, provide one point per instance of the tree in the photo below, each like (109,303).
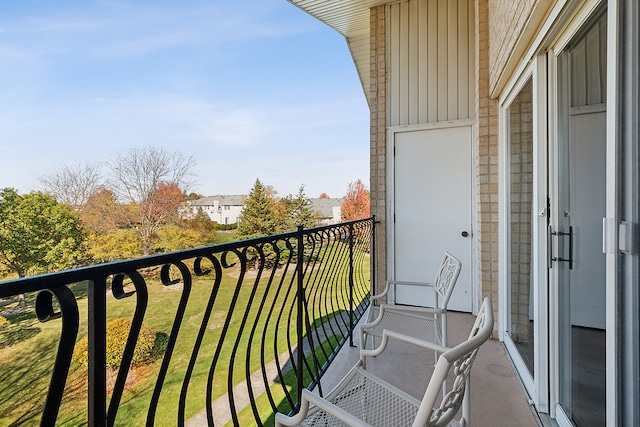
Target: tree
(38,234)
(258,217)
(74,185)
(202,224)
(103,214)
(355,204)
(115,245)
(146,177)
(324,196)
(300,211)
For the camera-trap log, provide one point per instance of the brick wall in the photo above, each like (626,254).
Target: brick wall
(507,21)
(486,140)
(378,137)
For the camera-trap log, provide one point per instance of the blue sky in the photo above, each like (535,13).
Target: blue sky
(250,88)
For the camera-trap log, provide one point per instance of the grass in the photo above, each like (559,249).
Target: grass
(226,236)
(267,416)
(28,351)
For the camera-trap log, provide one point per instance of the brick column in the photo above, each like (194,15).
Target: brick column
(486,140)
(378,137)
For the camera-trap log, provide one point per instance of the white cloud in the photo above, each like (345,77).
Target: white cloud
(80,88)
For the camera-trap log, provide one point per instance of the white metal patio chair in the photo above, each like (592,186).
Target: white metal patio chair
(362,399)
(425,323)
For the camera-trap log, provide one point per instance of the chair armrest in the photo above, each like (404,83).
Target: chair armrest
(408,283)
(381,294)
(408,309)
(386,334)
(309,397)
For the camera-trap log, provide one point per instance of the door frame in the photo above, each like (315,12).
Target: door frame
(538,384)
(564,21)
(577,22)
(390,196)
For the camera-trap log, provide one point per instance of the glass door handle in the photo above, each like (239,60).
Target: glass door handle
(561,233)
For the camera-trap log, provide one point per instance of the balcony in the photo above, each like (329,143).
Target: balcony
(227,322)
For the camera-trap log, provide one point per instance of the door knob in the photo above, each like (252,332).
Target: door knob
(465,234)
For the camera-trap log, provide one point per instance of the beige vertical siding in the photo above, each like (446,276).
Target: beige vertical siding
(431,74)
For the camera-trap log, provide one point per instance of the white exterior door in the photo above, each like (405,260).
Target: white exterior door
(432,210)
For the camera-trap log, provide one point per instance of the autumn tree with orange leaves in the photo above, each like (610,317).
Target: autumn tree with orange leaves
(355,204)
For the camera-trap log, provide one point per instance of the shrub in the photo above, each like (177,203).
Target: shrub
(4,323)
(117,333)
(226,227)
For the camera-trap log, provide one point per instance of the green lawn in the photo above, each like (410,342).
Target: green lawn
(27,349)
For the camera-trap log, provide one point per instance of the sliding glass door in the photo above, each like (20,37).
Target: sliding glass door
(577,263)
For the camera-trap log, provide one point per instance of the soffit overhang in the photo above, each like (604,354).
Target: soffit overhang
(351,19)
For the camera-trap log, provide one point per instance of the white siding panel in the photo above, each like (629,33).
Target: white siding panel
(471,24)
(393,57)
(414,62)
(405,88)
(431,61)
(423,68)
(452,59)
(463,59)
(443,55)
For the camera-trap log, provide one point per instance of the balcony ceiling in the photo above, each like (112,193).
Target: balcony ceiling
(351,19)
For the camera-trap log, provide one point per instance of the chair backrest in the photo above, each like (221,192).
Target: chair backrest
(461,358)
(446,278)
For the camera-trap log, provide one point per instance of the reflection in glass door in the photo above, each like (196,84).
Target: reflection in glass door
(577,262)
(520,325)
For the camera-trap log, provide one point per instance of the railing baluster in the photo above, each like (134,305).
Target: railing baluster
(97,350)
(300,313)
(322,298)
(351,325)
(70,321)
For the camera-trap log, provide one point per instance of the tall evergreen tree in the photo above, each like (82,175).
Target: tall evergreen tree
(300,211)
(258,217)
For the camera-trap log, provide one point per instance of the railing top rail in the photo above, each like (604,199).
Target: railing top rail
(93,272)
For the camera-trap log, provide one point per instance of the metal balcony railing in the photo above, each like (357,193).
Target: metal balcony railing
(230,321)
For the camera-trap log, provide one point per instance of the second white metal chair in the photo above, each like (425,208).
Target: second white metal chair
(424,323)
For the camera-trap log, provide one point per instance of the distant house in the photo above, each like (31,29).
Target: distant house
(227,209)
(221,209)
(327,211)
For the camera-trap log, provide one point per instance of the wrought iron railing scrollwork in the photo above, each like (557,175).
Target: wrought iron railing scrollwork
(254,320)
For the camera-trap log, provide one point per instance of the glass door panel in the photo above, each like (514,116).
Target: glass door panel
(576,230)
(520,173)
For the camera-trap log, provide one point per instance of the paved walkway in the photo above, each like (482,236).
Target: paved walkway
(221,408)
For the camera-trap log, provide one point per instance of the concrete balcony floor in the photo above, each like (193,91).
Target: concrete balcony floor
(497,397)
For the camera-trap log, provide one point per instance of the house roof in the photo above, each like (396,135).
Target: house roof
(351,19)
(233,200)
(324,206)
